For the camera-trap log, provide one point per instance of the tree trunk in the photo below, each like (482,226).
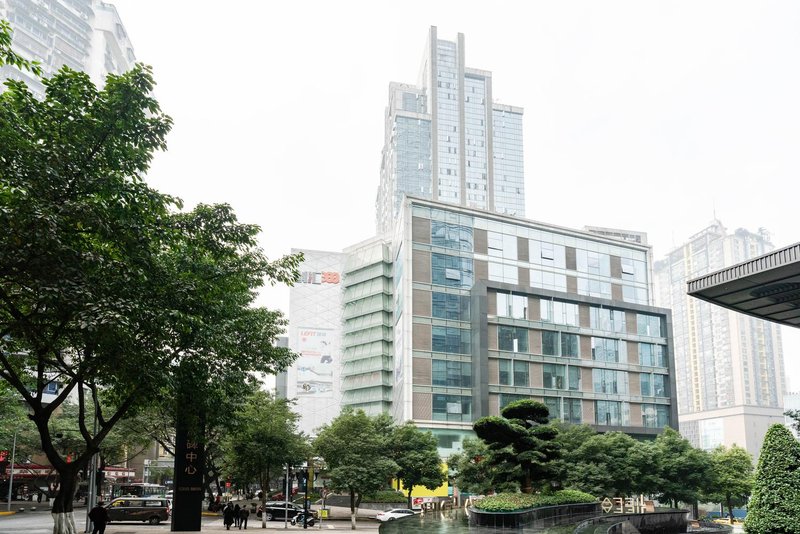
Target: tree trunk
(527,485)
(409,499)
(353,510)
(63,517)
(730,510)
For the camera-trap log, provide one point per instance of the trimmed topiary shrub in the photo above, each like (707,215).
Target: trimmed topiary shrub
(774,507)
(513,502)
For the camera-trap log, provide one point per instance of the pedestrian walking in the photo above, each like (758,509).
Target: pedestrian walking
(244,513)
(227,516)
(99,517)
(236,515)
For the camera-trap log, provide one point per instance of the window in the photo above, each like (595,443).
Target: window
(547,280)
(500,272)
(452,374)
(607,319)
(452,408)
(553,407)
(509,305)
(549,343)
(549,254)
(553,376)
(572,411)
(452,271)
(652,355)
(610,381)
(448,306)
(648,325)
(502,245)
(655,415)
(605,350)
(453,236)
(521,377)
(505,372)
(557,312)
(594,288)
(451,339)
(569,345)
(574,376)
(612,413)
(634,270)
(512,338)
(50,388)
(646,383)
(661,386)
(593,262)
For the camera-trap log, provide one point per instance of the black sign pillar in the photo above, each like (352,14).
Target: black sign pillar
(187,509)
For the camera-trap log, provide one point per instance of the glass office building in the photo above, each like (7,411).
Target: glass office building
(489,309)
(446,140)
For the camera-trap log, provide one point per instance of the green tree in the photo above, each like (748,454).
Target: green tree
(775,505)
(9,57)
(610,464)
(731,479)
(683,470)
(354,449)
(417,457)
(103,287)
(522,444)
(473,474)
(264,439)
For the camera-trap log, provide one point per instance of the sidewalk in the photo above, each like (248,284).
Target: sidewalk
(364,526)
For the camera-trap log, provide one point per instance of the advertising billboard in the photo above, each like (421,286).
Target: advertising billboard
(318,348)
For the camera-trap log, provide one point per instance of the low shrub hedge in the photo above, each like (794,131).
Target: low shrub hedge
(512,502)
(385,496)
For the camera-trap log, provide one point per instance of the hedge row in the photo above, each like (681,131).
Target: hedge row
(511,502)
(385,496)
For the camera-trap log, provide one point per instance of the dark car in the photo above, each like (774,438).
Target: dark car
(279,510)
(150,509)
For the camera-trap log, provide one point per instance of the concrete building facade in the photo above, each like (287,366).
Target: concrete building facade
(84,35)
(729,366)
(447,140)
(315,334)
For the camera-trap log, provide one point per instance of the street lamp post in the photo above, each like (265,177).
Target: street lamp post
(11,477)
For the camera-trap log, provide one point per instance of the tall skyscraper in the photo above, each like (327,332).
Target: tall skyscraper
(85,35)
(729,366)
(446,140)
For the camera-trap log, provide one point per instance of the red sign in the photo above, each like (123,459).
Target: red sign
(227,484)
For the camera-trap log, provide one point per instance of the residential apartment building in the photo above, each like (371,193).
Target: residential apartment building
(447,140)
(488,309)
(84,35)
(315,333)
(729,366)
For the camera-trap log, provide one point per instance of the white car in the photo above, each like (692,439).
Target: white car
(394,513)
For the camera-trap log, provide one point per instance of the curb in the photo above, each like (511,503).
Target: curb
(8,513)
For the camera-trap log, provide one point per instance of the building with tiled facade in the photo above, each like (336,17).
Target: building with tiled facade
(488,309)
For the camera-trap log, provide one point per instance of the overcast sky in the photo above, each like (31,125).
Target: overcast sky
(652,116)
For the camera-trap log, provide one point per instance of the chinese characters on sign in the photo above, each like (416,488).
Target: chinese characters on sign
(626,505)
(191,458)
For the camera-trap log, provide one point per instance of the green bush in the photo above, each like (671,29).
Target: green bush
(385,496)
(775,504)
(512,502)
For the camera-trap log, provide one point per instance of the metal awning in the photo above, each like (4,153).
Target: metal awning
(767,287)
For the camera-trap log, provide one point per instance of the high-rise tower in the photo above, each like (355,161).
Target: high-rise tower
(729,366)
(446,140)
(85,35)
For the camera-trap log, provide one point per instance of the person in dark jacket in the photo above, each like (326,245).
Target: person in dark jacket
(236,515)
(244,513)
(99,517)
(227,516)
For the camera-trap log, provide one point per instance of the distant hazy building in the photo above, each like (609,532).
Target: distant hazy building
(729,366)
(84,35)
(315,333)
(446,139)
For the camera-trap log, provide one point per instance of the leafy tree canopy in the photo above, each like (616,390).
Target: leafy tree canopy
(731,480)
(417,458)
(775,505)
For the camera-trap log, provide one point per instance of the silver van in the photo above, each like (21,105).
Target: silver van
(148,509)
